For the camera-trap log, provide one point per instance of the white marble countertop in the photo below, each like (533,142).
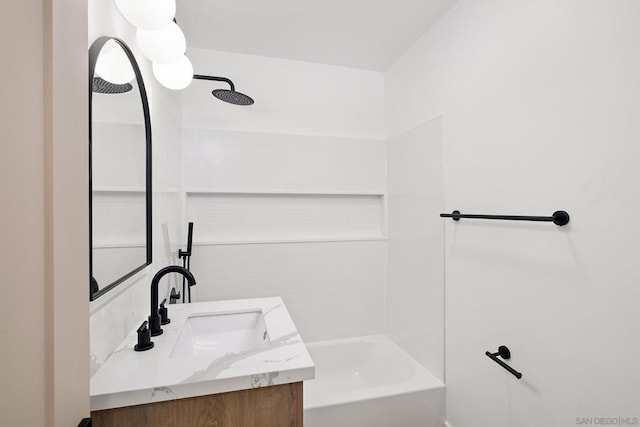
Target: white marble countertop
(130,378)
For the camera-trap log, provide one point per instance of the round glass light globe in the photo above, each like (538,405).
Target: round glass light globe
(174,76)
(165,46)
(148,14)
(113,64)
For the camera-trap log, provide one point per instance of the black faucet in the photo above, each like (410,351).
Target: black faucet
(154,317)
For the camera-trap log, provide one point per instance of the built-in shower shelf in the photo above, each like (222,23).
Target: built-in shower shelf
(286,241)
(237,217)
(118,190)
(288,192)
(118,245)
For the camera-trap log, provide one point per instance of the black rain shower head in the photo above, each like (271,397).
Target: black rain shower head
(102,86)
(227,95)
(232,97)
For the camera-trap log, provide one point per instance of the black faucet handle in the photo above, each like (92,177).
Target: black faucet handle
(144,338)
(164,313)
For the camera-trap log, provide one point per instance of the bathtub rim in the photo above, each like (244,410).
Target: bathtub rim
(421,381)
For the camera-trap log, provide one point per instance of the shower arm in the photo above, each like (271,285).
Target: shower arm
(215,79)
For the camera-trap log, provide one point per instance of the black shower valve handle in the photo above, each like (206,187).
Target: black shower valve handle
(175,296)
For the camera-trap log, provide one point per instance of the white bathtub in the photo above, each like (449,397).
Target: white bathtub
(370,382)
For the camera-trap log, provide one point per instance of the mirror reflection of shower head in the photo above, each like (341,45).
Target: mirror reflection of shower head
(100,85)
(226,95)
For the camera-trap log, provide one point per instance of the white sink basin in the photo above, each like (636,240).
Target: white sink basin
(207,334)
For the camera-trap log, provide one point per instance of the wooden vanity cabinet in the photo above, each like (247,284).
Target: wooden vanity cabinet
(274,406)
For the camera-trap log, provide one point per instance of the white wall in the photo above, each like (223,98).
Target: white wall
(120,310)
(314,136)
(292,97)
(541,103)
(415,277)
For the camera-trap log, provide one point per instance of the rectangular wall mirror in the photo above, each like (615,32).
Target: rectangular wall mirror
(120,166)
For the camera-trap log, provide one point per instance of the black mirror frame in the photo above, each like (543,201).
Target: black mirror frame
(94,52)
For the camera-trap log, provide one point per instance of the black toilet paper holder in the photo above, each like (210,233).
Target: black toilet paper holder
(505,353)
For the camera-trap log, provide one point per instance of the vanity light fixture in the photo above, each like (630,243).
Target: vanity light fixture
(148,14)
(160,39)
(165,46)
(174,76)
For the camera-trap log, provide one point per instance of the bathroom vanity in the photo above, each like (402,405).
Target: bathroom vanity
(272,406)
(222,363)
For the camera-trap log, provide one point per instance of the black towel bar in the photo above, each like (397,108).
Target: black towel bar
(559,218)
(503,352)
